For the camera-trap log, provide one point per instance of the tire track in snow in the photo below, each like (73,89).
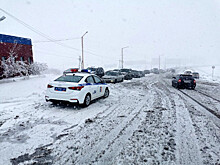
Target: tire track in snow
(187,144)
(98,131)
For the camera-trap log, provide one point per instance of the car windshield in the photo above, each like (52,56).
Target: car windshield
(124,70)
(111,73)
(69,78)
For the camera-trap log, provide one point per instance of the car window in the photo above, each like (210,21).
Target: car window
(89,79)
(69,78)
(97,80)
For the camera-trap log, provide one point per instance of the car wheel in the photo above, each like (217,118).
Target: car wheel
(115,81)
(87,100)
(106,94)
(122,80)
(54,102)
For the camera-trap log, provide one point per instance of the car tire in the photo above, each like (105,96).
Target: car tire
(122,80)
(106,94)
(115,81)
(87,100)
(54,102)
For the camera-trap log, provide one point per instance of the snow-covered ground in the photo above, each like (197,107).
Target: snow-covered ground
(143,121)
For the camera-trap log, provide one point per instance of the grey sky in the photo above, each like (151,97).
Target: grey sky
(187,30)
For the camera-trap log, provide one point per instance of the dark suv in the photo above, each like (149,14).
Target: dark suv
(97,71)
(184,81)
(127,73)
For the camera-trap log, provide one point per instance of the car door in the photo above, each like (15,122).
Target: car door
(99,88)
(90,83)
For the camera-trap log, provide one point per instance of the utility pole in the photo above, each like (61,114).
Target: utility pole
(159,62)
(79,61)
(122,58)
(82,65)
(213,67)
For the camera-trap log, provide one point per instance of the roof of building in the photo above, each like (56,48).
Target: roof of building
(13,39)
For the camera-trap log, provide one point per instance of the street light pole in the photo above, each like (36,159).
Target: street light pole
(2,18)
(122,58)
(82,65)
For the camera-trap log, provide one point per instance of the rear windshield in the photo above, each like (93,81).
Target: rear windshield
(125,70)
(189,77)
(111,73)
(69,78)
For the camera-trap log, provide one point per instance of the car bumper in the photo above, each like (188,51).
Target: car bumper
(71,98)
(109,80)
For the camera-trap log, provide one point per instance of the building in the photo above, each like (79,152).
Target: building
(19,47)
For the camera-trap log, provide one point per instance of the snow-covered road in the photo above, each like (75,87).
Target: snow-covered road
(143,121)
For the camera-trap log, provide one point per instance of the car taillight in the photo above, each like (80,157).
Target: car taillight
(194,81)
(76,88)
(179,80)
(49,86)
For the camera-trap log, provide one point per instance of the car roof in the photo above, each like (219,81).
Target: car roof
(184,75)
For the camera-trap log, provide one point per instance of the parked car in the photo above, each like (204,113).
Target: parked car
(184,81)
(141,73)
(155,70)
(135,74)
(97,71)
(113,77)
(76,87)
(127,73)
(195,75)
(146,71)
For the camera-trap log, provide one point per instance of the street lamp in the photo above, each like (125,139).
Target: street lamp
(82,64)
(2,18)
(122,58)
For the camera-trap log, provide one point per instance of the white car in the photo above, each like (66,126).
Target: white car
(77,87)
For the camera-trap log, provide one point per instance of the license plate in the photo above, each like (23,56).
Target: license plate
(187,81)
(60,89)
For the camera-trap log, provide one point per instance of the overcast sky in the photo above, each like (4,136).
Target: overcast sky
(187,30)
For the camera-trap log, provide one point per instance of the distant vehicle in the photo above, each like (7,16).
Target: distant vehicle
(195,75)
(161,71)
(146,71)
(127,73)
(155,70)
(172,70)
(184,81)
(136,74)
(97,71)
(76,87)
(188,72)
(141,73)
(113,77)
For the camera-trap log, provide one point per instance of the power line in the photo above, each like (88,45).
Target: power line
(42,34)
(50,39)
(67,39)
